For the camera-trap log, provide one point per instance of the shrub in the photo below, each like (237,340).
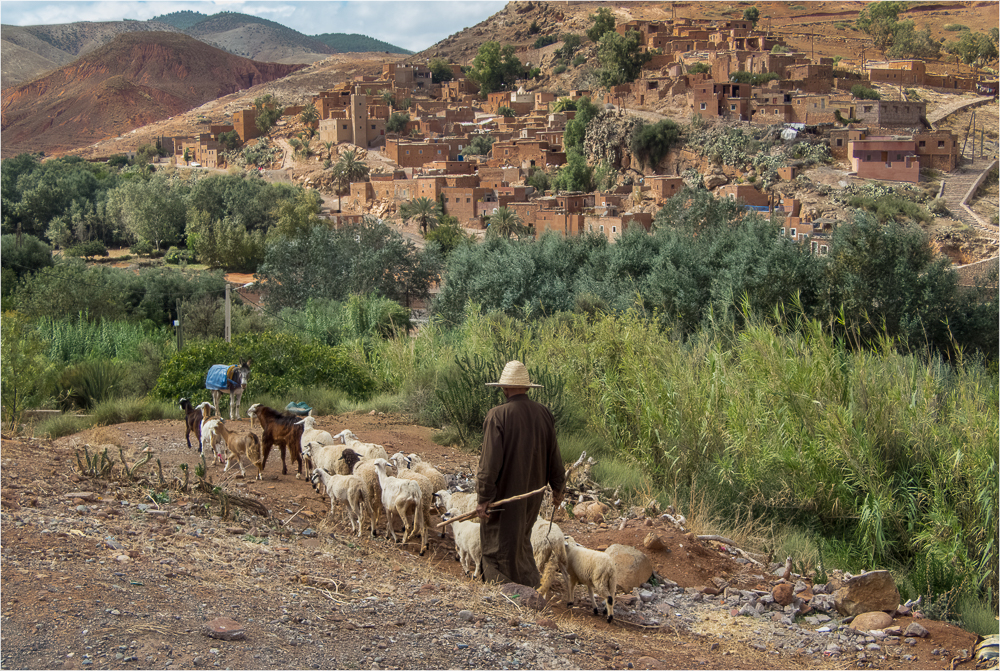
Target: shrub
(699,68)
(579,60)
(559,69)
(86,384)
(864,93)
(779,49)
(281,361)
(544,41)
(175,256)
(142,248)
(651,142)
(954,27)
(534,73)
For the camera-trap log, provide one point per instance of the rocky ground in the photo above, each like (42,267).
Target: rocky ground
(108,572)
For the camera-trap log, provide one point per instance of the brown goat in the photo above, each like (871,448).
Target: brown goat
(280,429)
(242,445)
(192,421)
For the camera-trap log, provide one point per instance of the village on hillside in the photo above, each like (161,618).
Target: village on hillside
(471,154)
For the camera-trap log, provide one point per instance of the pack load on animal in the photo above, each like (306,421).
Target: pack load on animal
(218,377)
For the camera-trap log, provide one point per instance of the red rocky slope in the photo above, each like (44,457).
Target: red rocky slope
(134,80)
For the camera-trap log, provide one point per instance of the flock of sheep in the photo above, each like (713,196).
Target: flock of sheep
(360,476)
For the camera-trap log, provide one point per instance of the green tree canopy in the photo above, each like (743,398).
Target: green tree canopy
(363,258)
(479,145)
(878,20)
(910,43)
(397,122)
(976,49)
(267,112)
(885,278)
(150,211)
(620,57)
(602,22)
(441,70)
(576,128)
(751,14)
(575,174)
(495,68)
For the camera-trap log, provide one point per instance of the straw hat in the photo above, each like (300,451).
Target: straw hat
(514,375)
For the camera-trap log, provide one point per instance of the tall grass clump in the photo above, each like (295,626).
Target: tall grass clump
(888,456)
(62,425)
(75,339)
(133,409)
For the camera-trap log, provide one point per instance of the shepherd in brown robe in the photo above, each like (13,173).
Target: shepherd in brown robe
(520,454)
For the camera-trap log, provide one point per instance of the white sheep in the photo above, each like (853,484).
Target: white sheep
(347,488)
(549,549)
(420,466)
(596,570)
(327,457)
(366,450)
(365,469)
(401,462)
(403,497)
(469,546)
(457,503)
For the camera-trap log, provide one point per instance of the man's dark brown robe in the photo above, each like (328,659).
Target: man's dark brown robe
(520,454)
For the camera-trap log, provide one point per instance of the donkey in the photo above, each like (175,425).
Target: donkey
(232,380)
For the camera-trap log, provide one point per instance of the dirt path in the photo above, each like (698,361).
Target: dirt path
(102,574)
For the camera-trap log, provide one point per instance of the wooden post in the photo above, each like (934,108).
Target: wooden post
(229,329)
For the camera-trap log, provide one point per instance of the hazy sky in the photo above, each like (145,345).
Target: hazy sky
(411,24)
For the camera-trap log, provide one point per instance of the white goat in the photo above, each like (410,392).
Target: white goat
(549,550)
(403,497)
(347,488)
(211,438)
(469,546)
(596,570)
(366,450)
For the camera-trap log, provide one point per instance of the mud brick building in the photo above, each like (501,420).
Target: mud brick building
(889,113)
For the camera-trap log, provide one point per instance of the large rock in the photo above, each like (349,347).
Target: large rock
(876,619)
(783,594)
(634,567)
(870,591)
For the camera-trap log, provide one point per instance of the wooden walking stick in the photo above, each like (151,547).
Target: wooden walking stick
(469,516)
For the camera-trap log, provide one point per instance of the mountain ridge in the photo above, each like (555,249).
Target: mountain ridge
(132,81)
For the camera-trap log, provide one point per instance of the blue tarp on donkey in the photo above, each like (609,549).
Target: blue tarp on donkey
(218,376)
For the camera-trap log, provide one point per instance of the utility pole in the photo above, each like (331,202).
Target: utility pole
(180,327)
(229,329)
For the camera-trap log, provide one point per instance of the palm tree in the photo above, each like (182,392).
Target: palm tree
(309,116)
(348,169)
(425,211)
(388,98)
(505,223)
